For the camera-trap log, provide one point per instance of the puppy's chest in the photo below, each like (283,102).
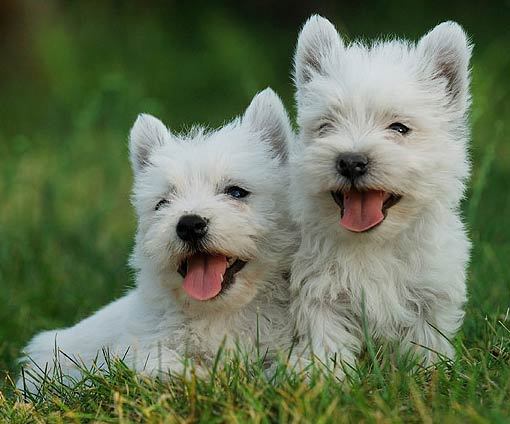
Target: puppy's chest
(388,300)
(257,328)
(227,331)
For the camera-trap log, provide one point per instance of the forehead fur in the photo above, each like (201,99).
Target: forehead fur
(390,76)
(378,73)
(253,146)
(380,78)
(230,154)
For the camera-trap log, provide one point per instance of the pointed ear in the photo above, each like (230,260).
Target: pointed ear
(445,52)
(147,133)
(267,117)
(317,41)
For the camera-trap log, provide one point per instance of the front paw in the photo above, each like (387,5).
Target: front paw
(300,364)
(427,356)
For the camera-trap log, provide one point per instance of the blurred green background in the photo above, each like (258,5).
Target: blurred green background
(74,75)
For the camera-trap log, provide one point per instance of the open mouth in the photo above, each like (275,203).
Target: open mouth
(361,211)
(207,275)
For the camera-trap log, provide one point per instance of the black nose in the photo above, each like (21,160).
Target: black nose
(352,165)
(191,228)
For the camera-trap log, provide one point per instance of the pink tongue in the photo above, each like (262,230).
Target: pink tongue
(204,276)
(362,210)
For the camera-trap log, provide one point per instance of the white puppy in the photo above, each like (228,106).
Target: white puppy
(212,250)
(377,176)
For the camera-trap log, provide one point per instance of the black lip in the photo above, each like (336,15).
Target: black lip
(228,277)
(338,197)
(390,201)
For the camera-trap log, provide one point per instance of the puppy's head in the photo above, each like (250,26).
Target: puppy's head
(383,128)
(210,203)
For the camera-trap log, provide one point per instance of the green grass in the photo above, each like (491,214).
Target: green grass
(66,226)
(384,388)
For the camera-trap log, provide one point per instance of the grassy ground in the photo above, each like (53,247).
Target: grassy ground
(66,225)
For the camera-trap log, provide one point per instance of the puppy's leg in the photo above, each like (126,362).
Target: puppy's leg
(327,331)
(160,361)
(430,335)
(65,351)
(126,329)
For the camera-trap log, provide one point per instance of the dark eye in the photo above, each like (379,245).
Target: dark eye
(324,128)
(400,128)
(160,204)
(236,192)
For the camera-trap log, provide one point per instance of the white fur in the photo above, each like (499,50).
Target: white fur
(155,325)
(406,276)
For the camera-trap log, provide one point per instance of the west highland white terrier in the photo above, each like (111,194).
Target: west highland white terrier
(377,176)
(213,249)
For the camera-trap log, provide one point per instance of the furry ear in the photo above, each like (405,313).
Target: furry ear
(267,117)
(147,133)
(317,41)
(446,51)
